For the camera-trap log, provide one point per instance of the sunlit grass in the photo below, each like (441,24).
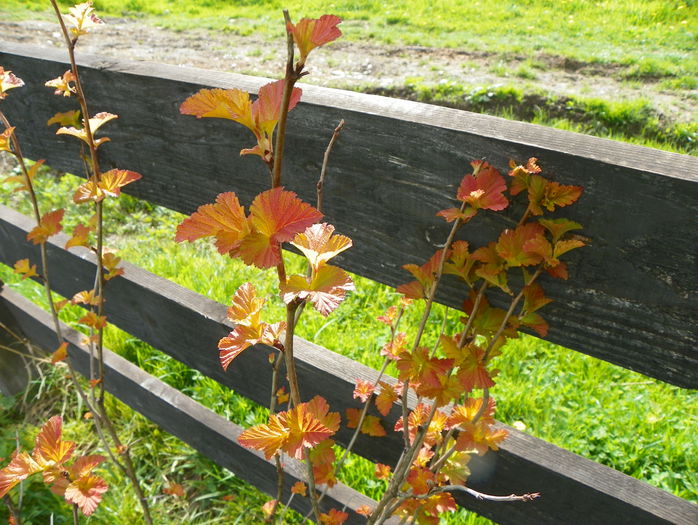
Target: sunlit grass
(651,39)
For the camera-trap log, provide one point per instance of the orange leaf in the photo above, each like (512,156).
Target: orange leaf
(322,457)
(559,227)
(63,85)
(266,110)
(60,353)
(50,224)
(50,448)
(93,320)
(334,517)
(319,244)
(243,337)
(382,471)
(6,141)
(484,188)
(364,390)
(386,398)
(281,396)
(246,306)
(20,468)
(299,488)
(8,81)
(269,507)
(394,348)
(96,122)
(86,297)
(325,291)
(364,510)
(372,427)
(225,220)
(511,245)
(23,268)
(232,104)
(425,275)
(420,479)
(389,317)
(174,489)
(80,237)
(86,492)
(290,431)
(113,180)
(310,33)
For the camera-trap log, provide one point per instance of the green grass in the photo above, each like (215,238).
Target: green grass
(650,39)
(637,425)
(634,121)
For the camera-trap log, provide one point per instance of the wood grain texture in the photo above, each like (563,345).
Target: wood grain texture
(632,297)
(187,326)
(14,369)
(212,435)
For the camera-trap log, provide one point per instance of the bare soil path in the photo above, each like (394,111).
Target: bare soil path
(356,65)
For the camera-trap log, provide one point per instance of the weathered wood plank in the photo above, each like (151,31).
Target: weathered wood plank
(632,297)
(14,372)
(204,430)
(187,326)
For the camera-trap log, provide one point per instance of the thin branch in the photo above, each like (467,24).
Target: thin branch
(325,160)
(489,497)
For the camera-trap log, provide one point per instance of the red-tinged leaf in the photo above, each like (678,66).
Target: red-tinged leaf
(534,298)
(96,122)
(425,275)
(320,410)
(88,191)
(364,510)
(511,245)
(386,398)
(417,418)
(281,396)
(559,271)
(559,227)
(86,297)
(521,175)
(245,336)
(353,416)
(460,262)
(322,457)
(363,390)
(536,322)
(50,224)
(59,305)
(63,85)
(453,214)
(382,471)
(394,348)
(232,104)
(319,244)
(266,110)
(290,431)
(225,220)
(246,306)
(81,18)
(463,415)
(84,465)
(564,246)
(372,427)
(493,266)
(420,479)
(560,195)
(86,492)
(81,234)
(6,139)
(473,372)
(541,248)
(420,368)
(325,291)
(110,262)
(310,33)
(25,269)
(299,488)
(69,119)
(93,320)
(442,388)
(174,489)
(8,81)
(483,189)
(390,316)
(268,508)
(20,468)
(280,214)
(50,449)
(334,517)
(60,353)
(113,180)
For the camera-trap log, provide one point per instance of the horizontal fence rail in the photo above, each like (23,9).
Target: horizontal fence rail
(632,298)
(187,327)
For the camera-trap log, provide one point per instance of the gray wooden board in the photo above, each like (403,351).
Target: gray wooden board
(187,326)
(14,369)
(632,296)
(212,435)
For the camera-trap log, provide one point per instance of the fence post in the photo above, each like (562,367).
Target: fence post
(14,369)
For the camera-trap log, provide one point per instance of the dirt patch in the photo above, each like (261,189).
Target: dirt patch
(357,65)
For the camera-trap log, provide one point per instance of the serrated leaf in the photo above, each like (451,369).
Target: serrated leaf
(333,517)
(310,33)
(266,110)
(484,189)
(25,269)
(244,336)
(246,306)
(511,245)
(225,220)
(420,479)
(20,468)
(425,275)
(50,449)
(113,180)
(363,390)
(96,122)
(386,398)
(60,353)
(8,81)
(559,227)
(81,234)
(299,488)
(326,289)
(232,104)
(6,139)
(86,492)
(69,119)
(319,244)
(81,18)
(63,85)
(50,224)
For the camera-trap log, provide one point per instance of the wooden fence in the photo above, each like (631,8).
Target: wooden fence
(632,299)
